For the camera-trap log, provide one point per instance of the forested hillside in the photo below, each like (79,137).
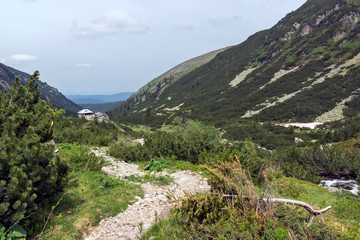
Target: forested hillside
(48,93)
(305,68)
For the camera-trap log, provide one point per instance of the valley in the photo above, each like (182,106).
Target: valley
(259,140)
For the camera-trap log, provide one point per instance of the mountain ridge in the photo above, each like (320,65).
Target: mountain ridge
(302,68)
(99,98)
(8,74)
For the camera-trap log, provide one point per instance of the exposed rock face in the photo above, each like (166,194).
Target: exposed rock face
(319,19)
(296,25)
(305,30)
(350,20)
(339,35)
(287,36)
(241,77)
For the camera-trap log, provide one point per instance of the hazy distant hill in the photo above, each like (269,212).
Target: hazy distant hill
(7,75)
(305,68)
(101,107)
(95,99)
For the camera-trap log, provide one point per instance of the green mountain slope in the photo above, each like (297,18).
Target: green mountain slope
(7,75)
(305,68)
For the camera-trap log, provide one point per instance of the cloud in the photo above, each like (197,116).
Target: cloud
(185,27)
(3,60)
(112,22)
(22,58)
(220,21)
(83,65)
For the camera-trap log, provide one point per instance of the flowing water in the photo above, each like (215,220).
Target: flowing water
(345,185)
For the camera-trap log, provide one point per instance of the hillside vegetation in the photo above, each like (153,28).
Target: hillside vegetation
(47,93)
(219,119)
(73,194)
(305,68)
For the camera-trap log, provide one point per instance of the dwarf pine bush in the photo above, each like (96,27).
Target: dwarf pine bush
(29,171)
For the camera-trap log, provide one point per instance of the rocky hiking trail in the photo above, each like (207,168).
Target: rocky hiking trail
(156,203)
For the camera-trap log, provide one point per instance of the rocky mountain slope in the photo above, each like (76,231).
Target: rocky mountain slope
(7,75)
(305,68)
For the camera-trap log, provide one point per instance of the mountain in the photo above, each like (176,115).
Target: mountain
(305,68)
(158,85)
(101,107)
(95,99)
(7,75)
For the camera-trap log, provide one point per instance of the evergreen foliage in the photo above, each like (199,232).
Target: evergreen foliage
(29,171)
(186,140)
(85,159)
(234,210)
(48,93)
(80,130)
(311,163)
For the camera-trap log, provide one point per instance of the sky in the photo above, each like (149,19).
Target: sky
(111,46)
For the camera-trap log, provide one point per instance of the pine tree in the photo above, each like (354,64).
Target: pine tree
(29,170)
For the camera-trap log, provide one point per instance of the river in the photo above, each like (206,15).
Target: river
(350,186)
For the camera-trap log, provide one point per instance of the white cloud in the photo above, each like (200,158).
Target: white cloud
(112,22)
(84,65)
(3,60)
(185,27)
(22,58)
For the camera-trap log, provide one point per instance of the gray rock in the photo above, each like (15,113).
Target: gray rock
(162,198)
(332,189)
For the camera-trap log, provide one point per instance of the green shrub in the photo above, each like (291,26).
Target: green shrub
(158,180)
(30,173)
(312,162)
(185,142)
(127,152)
(15,233)
(72,129)
(87,160)
(158,164)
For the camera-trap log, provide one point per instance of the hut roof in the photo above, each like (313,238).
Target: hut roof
(85,111)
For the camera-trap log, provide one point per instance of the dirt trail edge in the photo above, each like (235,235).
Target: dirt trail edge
(156,201)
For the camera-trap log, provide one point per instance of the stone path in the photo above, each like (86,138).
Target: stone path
(155,204)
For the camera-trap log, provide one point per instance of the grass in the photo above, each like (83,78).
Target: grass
(343,217)
(175,165)
(90,196)
(158,180)
(171,228)
(344,214)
